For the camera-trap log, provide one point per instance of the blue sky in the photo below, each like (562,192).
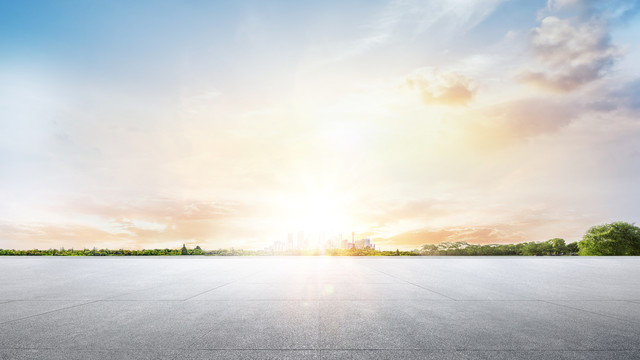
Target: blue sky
(153,123)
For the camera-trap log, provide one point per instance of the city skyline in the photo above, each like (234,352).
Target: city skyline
(228,124)
(320,240)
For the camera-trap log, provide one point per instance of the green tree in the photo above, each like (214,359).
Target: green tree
(573,248)
(618,238)
(429,249)
(558,246)
(184,250)
(545,248)
(531,248)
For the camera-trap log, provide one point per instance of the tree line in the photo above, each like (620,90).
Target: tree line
(618,238)
(198,251)
(614,239)
(554,246)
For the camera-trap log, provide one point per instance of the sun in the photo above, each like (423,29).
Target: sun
(319,212)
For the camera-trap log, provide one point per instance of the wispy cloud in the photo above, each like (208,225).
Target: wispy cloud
(400,19)
(612,11)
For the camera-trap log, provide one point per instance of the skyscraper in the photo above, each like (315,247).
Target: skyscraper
(289,245)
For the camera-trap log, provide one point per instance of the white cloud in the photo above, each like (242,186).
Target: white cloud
(442,87)
(569,56)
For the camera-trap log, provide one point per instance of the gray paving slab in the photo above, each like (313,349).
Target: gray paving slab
(478,355)
(623,310)
(175,291)
(73,354)
(319,307)
(263,325)
(55,354)
(264,291)
(114,325)
(507,278)
(14,310)
(252,354)
(518,325)
(325,271)
(328,290)
(460,325)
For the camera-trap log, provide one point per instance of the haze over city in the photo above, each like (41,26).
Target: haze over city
(233,124)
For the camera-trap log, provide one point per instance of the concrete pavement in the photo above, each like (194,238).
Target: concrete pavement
(319,308)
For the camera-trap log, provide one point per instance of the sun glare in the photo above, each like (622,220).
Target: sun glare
(319,212)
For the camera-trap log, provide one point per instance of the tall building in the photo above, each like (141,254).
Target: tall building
(364,244)
(289,245)
(278,246)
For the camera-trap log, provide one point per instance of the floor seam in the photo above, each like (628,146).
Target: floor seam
(208,332)
(416,285)
(204,292)
(589,312)
(49,312)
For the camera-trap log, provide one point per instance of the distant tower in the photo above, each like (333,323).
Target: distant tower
(290,241)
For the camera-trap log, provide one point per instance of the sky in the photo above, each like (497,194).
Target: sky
(150,124)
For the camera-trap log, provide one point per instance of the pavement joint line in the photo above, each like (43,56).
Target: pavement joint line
(140,290)
(217,287)
(206,291)
(319,321)
(49,312)
(208,332)
(587,311)
(409,282)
